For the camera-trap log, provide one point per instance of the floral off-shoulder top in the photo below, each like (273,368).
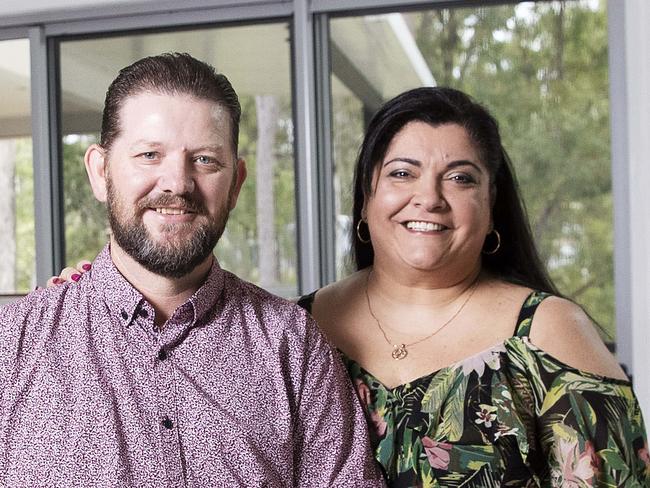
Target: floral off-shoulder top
(509,416)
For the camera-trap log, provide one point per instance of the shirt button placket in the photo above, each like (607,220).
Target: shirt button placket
(168,424)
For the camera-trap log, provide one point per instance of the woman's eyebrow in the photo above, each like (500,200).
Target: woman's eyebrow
(412,161)
(450,165)
(464,162)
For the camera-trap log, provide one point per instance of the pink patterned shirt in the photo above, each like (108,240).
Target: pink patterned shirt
(239,388)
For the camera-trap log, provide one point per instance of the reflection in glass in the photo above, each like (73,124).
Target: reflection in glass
(541,67)
(17,268)
(259,243)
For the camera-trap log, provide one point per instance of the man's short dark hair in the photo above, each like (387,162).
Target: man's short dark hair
(172,74)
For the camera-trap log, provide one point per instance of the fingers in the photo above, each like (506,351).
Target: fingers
(83,266)
(53,281)
(70,274)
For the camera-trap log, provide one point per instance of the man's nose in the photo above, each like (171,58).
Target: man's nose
(177,176)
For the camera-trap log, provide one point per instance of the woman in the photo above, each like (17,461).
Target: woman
(472,369)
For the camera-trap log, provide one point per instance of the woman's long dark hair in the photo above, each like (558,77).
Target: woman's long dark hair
(517,260)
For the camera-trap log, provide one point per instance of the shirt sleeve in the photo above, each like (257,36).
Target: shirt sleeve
(333,447)
(12,320)
(592,432)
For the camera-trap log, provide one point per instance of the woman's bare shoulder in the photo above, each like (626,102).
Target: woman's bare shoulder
(339,292)
(563,329)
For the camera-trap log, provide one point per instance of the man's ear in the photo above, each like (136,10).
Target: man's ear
(95,161)
(238,180)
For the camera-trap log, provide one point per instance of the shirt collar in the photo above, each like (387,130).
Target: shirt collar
(125,301)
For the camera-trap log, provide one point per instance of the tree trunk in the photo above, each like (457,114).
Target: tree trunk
(449,42)
(7,216)
(559,43)
(267,117)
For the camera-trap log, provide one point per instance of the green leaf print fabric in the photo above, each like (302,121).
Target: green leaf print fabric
(509,416)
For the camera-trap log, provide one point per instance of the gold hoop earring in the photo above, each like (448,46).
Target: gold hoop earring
(361,239)
(494,251)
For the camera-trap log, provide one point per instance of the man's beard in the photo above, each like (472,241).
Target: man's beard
(179,255)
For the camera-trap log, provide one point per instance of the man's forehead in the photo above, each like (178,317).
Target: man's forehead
(154,97)
(150,108)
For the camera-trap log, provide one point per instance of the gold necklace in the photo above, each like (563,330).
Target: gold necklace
(399,350)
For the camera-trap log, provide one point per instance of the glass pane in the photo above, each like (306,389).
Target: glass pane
(542,68)
(259,243)
(17,247)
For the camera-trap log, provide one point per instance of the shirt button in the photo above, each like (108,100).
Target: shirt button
(167,423)
(143,313)
(124,314)
(162,354)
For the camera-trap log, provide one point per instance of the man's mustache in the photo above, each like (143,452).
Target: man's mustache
(187,202)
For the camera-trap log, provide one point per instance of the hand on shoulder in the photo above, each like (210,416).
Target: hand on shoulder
(562,329)
(69,274)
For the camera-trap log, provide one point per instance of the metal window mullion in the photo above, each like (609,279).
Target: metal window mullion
(349,6)
(324,148)
(620,182)
(10,33)
(196,18)
(145,10)
(308,226)
(48,214)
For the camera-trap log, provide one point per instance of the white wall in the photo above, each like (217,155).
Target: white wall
(635,114)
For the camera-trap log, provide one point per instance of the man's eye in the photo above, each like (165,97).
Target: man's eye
(149,155)
(204,159)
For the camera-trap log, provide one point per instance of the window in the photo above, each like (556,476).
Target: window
(17,270)
(542,69)
(259,243)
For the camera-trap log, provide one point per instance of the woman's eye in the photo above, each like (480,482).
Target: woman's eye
(461,178)
(150,155)
(400,173)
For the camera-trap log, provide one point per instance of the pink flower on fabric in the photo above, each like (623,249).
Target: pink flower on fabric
(486,415)
(577,468)
(437,453)
(379,423)
(593,455)
(644,455)
(364,393)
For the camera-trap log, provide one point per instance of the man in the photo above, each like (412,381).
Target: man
(159,368)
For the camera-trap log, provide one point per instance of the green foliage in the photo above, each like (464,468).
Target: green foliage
(347,137)
(86,225)
(237,250)
(24,195)
(542,69)
(543,72)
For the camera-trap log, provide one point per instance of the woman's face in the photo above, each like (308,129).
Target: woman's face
(430,205)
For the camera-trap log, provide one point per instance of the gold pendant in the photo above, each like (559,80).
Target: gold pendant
(399,351)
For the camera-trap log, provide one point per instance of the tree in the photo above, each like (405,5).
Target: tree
(267,115)
(8,212)
(542,70)
(86,223)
